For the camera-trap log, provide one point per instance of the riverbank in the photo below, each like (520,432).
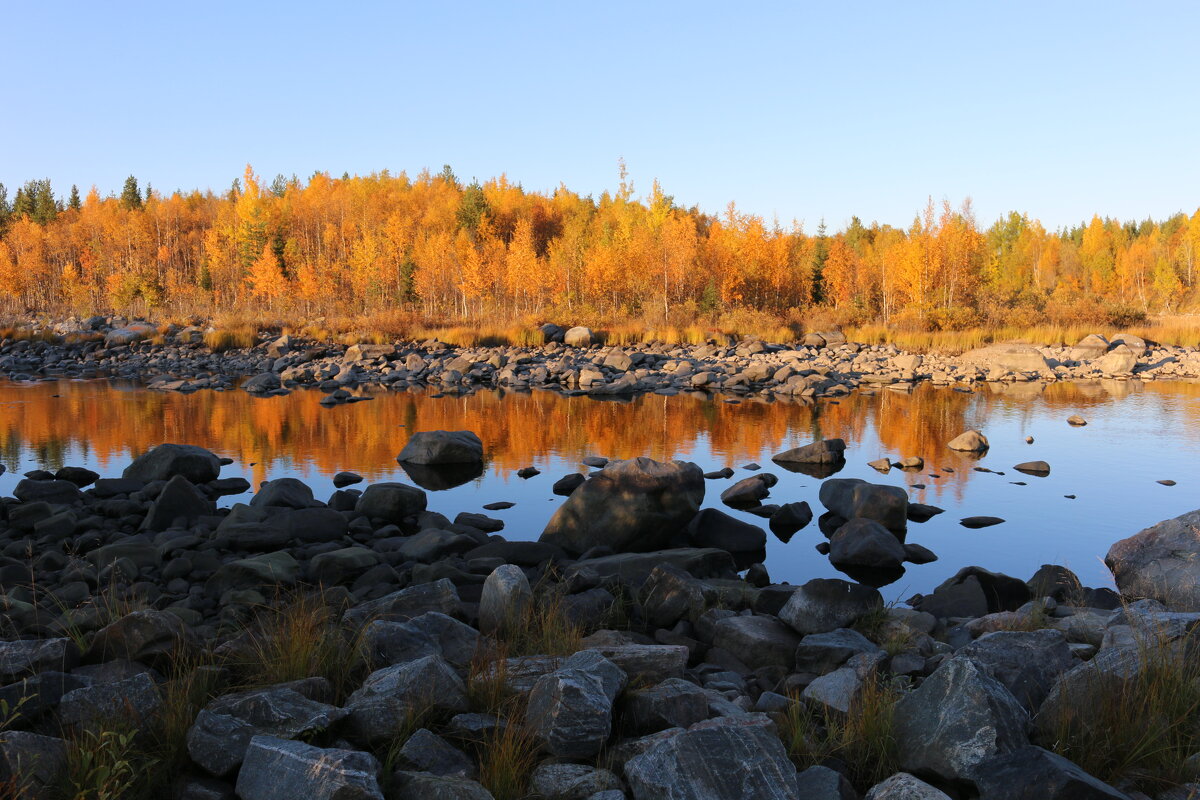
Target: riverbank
(362,644)
(568,360)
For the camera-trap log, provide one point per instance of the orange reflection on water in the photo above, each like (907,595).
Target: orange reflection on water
(109,422)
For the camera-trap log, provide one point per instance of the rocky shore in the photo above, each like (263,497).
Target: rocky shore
(362,646)
(570,361)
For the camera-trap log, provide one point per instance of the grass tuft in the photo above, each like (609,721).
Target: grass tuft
(1141,728)
(863,739)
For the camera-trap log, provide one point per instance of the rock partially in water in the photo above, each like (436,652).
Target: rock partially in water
(979,522)
(1161,562)
(442,447)
(865,543)
(1038,468)
(165,461)
(853,498)
(971,441)
(827,451)
(638,504)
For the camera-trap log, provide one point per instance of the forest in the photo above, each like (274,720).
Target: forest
(436,246)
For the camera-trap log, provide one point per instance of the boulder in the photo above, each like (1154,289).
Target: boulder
(406,785)
(265,572)
(714,528)
(715,760)
(263,383)
(673,703)
(279,769)
(1012,357)
(579,336)
(748,492)
(129,334)
(47,491)
(1091,346)
(378,709)
(903,786)
(442,447)
(283,493)
(386,643)
(391,502)
(440,596)
(165,461)
(823,783)
(134,701)
(757,641)
(969,442)
(570,709)
(853,498)
(789,519)
(956,719)
(826,604)
(1027,663)
(639,504)
(1117,361)
(179,504)
(24,657)
(425,751)
(138,636)
(865,543)
(221,734)
(506,596)
(1136,344)
(572,782)
(32,766)
(1032,773)
(564,486)
(973,592)
(826,451)
(821,653)
(1161,562)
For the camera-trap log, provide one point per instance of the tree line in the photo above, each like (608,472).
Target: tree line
(446,248)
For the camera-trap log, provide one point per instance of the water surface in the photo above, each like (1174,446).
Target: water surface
(1137,434)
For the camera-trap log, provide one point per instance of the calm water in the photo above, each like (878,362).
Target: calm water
(1137,435)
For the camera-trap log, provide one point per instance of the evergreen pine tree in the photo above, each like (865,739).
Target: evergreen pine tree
(131,196)
(5,208)
(45,208)
(74,202)
(819,257)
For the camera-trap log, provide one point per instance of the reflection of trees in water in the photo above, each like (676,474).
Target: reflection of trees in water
(518,427)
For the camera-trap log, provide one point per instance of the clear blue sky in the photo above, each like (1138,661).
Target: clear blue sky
(1059,109)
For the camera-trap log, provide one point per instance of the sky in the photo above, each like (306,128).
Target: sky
(796,111)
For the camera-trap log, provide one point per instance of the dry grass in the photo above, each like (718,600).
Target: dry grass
(1140,729)
(863,739)
(506,760)
(296,638)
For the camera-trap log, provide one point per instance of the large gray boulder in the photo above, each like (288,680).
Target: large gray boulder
(442,447)
(570,709)
(1032,773)
(24,657)
(279,769)
(1161,562)
(35,764)
(139,636)
(639,505)
(1136,344)
(572,782)
(1117,361)
(673,703)
(506,595)
(218,739)
(378,709)
(854,498)
(1091,346)
(579,336)
(1027,663)
(758,641)
(168,460)
(408,603)
(958,718)
(134,701)
(724,759)
(1013,357)
(826,604)
(431,634)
